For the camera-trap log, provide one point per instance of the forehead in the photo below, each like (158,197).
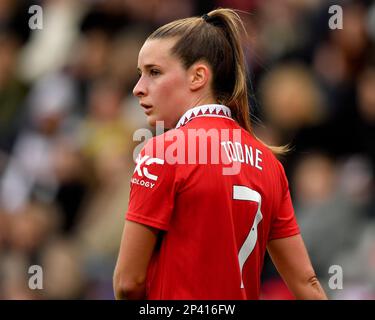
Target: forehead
(156,52)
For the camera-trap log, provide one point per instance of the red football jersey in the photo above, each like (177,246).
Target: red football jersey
(219,195)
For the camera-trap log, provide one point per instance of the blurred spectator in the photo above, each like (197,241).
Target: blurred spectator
(23,236)
(103,214)
(366,109)
(63,277)
(124,56)
(14,280)
(29,171)
(68,166)
(31,227)
(90,61)
(105,128)
(294,110)
(60,29)
(12,92)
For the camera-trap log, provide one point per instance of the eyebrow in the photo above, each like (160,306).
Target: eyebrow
(147,67)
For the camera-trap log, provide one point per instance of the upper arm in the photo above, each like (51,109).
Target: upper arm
(151,203)
(137,245)
(293,263)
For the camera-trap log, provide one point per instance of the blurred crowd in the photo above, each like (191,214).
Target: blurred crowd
(67,118)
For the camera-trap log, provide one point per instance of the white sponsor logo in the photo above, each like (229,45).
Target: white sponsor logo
(143,183)
(143,171)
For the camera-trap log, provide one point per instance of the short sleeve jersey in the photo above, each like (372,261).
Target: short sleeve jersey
(218,196)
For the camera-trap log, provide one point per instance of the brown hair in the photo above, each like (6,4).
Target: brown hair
(215,38)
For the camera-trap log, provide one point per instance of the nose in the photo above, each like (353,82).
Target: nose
(139,89)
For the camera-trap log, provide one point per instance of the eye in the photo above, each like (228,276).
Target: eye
(154,72)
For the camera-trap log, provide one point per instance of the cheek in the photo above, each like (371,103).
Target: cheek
(169,96)
(172,89)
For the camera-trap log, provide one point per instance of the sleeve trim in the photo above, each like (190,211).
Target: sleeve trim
(284,234)
(131,216)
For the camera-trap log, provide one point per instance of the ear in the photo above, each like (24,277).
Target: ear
(199,75)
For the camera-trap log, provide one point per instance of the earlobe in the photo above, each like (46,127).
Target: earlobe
(199,77)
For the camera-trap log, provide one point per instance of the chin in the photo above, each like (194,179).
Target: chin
(151,121)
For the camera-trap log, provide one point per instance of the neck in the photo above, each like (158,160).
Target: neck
(200,101)
(207,110)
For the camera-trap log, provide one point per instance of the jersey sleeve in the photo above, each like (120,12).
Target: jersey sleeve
(152,189)
(284,223)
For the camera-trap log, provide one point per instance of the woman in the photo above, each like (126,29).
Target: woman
(202,215)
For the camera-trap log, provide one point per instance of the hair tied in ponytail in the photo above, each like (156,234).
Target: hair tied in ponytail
(207,18)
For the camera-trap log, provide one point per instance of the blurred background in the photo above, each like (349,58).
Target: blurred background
(67,117)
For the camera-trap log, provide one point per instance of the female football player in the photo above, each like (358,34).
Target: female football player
(207,197)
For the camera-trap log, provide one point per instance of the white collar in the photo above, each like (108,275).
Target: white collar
(207,110)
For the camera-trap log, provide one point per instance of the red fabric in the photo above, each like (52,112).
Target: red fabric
(275,289)
(205,227)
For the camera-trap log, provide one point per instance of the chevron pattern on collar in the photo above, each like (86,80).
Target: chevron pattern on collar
(207,110)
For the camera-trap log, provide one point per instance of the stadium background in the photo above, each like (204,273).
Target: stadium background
(67,117)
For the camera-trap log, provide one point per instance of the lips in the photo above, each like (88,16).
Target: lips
(146,107)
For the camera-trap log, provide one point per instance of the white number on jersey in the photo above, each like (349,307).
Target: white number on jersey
(245,193)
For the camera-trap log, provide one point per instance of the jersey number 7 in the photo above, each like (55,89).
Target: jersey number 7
(247,194)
